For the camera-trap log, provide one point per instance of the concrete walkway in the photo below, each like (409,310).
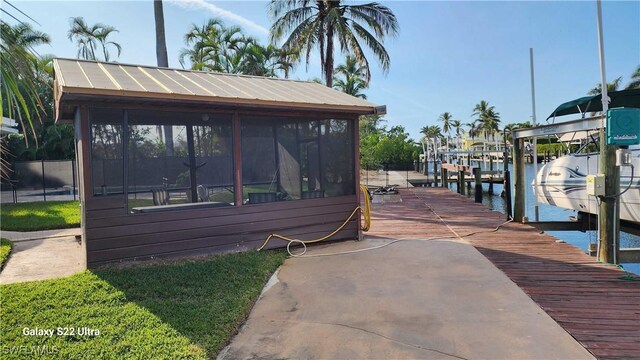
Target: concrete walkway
(434,299)
(35,235)
(41,255)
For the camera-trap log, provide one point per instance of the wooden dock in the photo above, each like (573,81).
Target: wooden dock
(588,299)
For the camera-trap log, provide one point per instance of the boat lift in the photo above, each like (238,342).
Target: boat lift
(608,221)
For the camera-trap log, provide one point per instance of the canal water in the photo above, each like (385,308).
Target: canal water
(552,213)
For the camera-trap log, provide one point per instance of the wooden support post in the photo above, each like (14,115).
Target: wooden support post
(507,193)
(237,161)
(192,164)
(355,128)
(443,175)
(435,172)
(478,182)
(83,158)
(519,187)
(491,176)
(609,216)
(462,182)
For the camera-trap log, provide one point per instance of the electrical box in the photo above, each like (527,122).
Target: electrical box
(623,126)
(595,185)
(623,157)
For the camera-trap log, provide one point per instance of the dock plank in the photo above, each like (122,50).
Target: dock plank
(588,299)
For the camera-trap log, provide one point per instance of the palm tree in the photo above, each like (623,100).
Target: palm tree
(446,119)
(307,24)
(491,123)
(288,60)
(457,124)
(19,82)
(480,109)
(89,38)
(204,45)
(485,117)
(163,61)
(259,60)
(509,130)
(369,123)
(432,131)
(215,47)
(161,42)
(354,78)
(612,86)
(473,129)
(234,46)
(635,80)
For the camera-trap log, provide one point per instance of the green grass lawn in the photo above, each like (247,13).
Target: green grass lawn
(5,250)
(179,310)
(39,216)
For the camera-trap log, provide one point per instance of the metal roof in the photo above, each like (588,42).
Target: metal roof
(82,78)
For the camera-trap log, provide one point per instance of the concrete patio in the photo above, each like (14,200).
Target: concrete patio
(435,299)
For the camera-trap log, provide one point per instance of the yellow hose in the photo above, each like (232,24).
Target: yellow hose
(366,213)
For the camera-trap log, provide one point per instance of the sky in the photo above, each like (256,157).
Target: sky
(446,58)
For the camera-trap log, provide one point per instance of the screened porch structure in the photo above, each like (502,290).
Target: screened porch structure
(176,162)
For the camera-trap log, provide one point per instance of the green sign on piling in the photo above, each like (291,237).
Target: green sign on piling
(623,126)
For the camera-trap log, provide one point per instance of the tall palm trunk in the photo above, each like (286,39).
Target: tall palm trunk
(163,61)
(328,59)
(161,43)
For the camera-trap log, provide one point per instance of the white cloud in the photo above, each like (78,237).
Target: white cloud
(219,12)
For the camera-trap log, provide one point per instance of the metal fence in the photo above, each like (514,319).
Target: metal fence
(411,174)
(50,180)
(41,180)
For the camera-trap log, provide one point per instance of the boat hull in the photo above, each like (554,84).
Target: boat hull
(562,183)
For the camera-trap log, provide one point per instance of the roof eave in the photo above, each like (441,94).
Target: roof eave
(67,94)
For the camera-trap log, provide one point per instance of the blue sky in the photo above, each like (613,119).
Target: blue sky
(447,57)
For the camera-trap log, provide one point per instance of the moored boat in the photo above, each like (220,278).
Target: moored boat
(562,183)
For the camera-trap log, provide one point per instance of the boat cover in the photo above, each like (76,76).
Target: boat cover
(593,103)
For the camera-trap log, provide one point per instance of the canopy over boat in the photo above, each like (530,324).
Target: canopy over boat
(623,98)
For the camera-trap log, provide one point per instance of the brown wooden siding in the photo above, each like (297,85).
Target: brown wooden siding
(113,235)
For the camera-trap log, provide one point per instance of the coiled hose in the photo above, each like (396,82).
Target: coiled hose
(366,214)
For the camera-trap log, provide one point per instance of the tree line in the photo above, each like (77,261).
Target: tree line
(302,26)
(487,119)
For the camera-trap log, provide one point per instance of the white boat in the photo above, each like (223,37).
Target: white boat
(562,183)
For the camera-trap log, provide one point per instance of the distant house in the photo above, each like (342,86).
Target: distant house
(176,162)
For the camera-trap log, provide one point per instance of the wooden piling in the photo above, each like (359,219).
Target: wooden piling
(444,177)
(462,182)
(491,176)
(609,217)
(507,193)
(478,182)
(519,186)
(435,172)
